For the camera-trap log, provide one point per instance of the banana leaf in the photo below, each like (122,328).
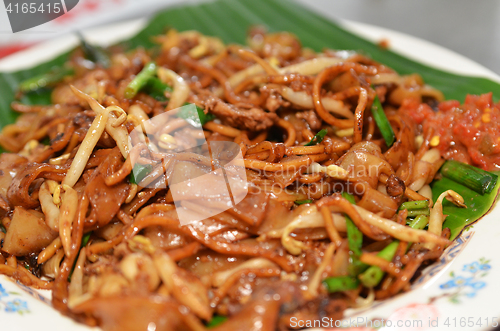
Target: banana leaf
(230,20)
(477,204)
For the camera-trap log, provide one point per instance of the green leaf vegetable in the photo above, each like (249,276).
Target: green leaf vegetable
(86,238)
(195,116)
(355,241)
(156,89)
(373,275)
(216,321)
(382,122)
(340,283)
(140,80)
(302,202)
(139,172)
(318,137)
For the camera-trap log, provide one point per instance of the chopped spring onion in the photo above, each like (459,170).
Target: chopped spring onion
(156,88)
(318,137)
(86,238)
(382,121)
(94,53)
(44,80)
(349,197)
(3,229)
(373,275)
(85,241)
(139,172)
(195,118)
(476,179)
(420,222)
(302,202)
(140,80)
(216,321)
(46,141)
(340,283)
(355,241)
(417,212)
(354,237)
(413,205)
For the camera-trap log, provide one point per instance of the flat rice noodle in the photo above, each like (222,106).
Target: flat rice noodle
(231,236)
(165,239)
(405,143)
(27,233)
(252,208)
(208,226)
(270,249)
(277,217)
(208,262)
(232,221)
(10,164)
(263,310)
(376,202)
(133,313)
(286,178)
(106,200)
(18,193)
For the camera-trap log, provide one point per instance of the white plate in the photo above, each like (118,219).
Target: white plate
(459,292)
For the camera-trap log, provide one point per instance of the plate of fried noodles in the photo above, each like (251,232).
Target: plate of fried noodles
(198,178)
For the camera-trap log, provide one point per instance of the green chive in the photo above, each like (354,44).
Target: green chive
(354,237)
(302,202)
(382,122)
(2,228)
(318,137)
(84,242)
(355,241)
(476,179)
(86,238)
(156,89)
(412,205)
(45,141)
(349,197)
(340,283)
(197,117)
(420,222)
(373,275)
(417,212)
(52,77)
(140,80)
(139,172)
(216,321)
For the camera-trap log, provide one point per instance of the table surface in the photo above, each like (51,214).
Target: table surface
(468,27)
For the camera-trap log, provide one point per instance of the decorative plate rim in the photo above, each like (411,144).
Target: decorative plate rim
(26,307)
